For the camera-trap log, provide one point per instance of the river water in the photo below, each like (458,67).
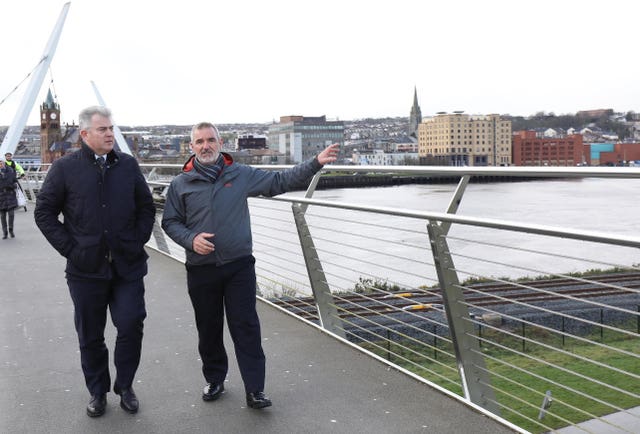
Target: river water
(608,205)
(593,204)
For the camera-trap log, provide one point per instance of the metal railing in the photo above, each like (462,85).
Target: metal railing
(540,348)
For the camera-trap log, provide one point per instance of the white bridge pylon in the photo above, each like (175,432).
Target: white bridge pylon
(16,128)
(120,140)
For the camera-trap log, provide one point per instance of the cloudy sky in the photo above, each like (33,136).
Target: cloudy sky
(238,61)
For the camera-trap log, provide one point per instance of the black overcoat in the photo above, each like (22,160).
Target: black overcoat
(8,189)
(108,216)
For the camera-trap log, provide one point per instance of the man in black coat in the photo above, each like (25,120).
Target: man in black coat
(108,217)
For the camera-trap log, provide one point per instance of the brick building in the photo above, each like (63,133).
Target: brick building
(531,150)
(621,154)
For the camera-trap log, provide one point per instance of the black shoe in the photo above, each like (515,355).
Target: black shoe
(97,405)
(128,399)
(258,400)
(212,391)
(11,233)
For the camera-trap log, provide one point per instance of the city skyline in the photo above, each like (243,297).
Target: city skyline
(252,62)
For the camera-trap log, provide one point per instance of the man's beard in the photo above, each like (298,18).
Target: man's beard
(208,158)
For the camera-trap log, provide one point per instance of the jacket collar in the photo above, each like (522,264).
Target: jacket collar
(188,166)
(87,152)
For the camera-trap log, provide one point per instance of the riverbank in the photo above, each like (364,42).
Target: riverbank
(379,180)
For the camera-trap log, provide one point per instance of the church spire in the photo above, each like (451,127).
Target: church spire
(416,115)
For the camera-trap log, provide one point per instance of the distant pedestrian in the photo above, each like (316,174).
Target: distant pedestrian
(14,165)
(18,169)
(206,212)
(8,200)
(108,217)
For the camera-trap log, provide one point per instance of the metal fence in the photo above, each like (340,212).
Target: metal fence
(550,351)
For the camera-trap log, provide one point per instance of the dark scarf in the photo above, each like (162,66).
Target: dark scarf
(209,171)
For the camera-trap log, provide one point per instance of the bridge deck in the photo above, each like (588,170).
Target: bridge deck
(317,383)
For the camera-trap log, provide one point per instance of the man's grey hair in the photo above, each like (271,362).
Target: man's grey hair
(203,125)
(84,119)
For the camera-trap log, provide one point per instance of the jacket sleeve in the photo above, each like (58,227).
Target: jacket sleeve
(174,218)
(145,208)
(49,204)
(267,183)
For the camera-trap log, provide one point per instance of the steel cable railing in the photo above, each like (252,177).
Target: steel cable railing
(548,380)
(550,311)
(564,334)
(380,343)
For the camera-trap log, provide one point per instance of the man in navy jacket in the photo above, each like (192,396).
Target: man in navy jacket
(108,217)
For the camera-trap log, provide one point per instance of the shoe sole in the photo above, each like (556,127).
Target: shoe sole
(128,410)
(259,405)
(95,414)
(210,398)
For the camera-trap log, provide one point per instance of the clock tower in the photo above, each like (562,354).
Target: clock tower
(49,128)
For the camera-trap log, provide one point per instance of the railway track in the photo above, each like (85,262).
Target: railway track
(480,294)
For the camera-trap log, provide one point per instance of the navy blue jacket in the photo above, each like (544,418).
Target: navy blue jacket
(106,217)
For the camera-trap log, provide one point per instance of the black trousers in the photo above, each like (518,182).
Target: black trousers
(229,288)
(3,219)
(125,301)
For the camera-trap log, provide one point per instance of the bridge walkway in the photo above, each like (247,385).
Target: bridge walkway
(318,384)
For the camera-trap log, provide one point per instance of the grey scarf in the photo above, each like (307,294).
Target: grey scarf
(210,171)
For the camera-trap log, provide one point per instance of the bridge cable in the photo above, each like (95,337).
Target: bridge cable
(22,81)
(53,86)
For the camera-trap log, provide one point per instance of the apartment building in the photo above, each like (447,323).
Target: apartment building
(458,139)
(300,137)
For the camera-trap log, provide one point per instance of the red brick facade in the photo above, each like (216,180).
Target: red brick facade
(530,150)
(622,152)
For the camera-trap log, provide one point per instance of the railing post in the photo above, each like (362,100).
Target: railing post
(476,382)
(160,237)
(455,201)
(325,304)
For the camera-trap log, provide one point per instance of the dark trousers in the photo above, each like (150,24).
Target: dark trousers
(229,288)
(3,219)
(125,300)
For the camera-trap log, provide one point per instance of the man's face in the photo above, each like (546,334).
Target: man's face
(99,136)
(206,145)
(8,156)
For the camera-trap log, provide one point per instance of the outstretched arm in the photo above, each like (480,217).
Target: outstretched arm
(329,154)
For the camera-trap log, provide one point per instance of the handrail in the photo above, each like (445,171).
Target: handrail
(518,171)
(600,237)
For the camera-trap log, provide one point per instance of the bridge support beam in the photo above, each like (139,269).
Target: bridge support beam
(325,304)
(12,137)
(476,382)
